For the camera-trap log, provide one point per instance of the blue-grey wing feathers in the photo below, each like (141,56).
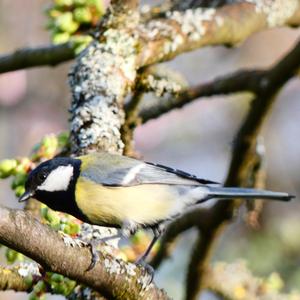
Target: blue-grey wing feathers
(116,170)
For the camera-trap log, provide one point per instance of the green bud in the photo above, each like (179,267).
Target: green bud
(57,277)
(19,190)
(98,4)
(44,210)
(79,2)
(18,180)
(63,2)
(51,216)
(28,280)
(82,15)
(65,23)
(71,284)
(40,287)
(6,167)
(66,228)
(74,228)
(60,38)
(61,289)
(34,296)
(12,255)
(80,42)
(63,139)
(19,169)
(49,141)
(53,13)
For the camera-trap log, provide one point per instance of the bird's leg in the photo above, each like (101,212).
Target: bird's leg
(128,228)
(157,232)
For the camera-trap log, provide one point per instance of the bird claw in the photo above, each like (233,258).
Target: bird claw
(148,270)
(69,241)
(79,243)
(95,256)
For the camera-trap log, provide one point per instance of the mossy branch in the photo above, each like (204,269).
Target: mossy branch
(176,32)
(113,278)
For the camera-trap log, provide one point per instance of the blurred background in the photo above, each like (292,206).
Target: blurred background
(197,138)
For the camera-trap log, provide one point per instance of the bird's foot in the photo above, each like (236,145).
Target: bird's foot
(94,254)
(69,241)
(148,270)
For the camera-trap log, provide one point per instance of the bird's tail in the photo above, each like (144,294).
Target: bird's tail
(232,192)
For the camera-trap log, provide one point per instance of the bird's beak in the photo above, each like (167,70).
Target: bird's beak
(27,195)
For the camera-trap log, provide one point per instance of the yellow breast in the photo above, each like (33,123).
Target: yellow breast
(143,204)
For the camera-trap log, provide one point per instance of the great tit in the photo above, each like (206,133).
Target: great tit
(117,191)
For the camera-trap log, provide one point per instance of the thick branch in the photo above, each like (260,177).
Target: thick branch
(100,80)
(112,278)
(182,31)
(33,57)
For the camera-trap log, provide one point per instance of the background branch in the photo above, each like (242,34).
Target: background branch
(240,81)
(177,32)
(242,155)
(181,31)
(11,279)
(33,57)
(100,81)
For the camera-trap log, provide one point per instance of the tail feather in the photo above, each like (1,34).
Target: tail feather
(231,192)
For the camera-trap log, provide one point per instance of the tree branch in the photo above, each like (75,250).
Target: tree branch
(235,281)
(33,57)
(181,31)
(241,162)
(161,39)
(11,279)
(111,277)
(240,81)
(197,217)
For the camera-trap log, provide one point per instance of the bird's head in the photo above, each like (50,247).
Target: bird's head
(54,175)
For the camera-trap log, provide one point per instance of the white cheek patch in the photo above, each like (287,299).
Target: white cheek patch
(58,180)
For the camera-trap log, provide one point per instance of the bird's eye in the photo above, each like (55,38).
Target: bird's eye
(42,175)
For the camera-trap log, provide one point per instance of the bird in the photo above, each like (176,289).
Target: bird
(113,190)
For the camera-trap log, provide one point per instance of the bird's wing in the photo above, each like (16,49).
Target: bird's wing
(115,170)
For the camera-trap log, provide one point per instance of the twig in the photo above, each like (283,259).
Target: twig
(33,57)
(197,217)
(132,120)
(240,164)
(240,81)
(257,179)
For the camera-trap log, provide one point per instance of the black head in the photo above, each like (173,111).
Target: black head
(54,175)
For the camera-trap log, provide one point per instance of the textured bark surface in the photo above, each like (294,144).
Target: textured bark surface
(105,73)
(113,278)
